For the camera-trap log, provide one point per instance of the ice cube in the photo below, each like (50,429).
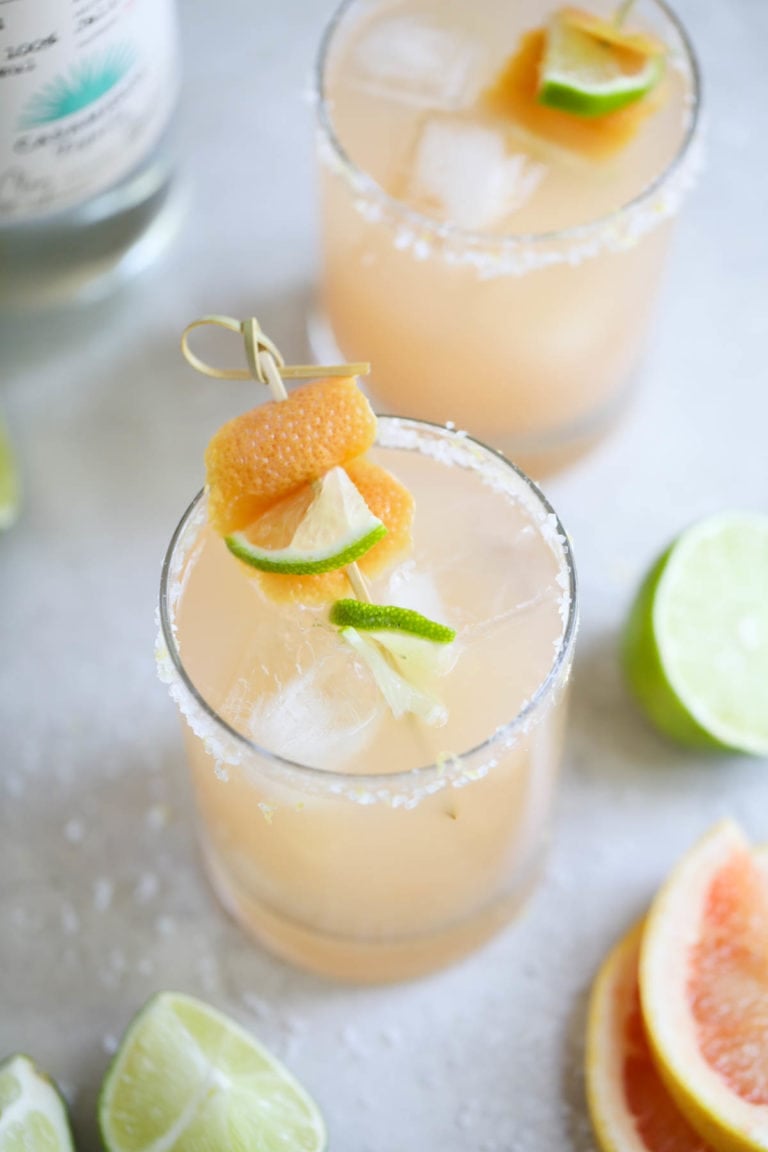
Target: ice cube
(465,173)
(412,61)
(409,587)
(322,715)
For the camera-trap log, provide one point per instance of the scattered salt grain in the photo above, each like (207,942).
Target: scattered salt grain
(464,1118)
(146,888)
(74,832)
(158,817)
(70,921)
(257,1006)
(103,891)
(14,785)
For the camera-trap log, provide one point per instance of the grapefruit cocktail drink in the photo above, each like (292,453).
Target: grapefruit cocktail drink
(494,258)
(361,823)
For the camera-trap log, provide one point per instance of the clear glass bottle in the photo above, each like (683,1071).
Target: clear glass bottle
(88,90)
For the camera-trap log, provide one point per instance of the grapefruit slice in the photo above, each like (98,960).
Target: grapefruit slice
(630,1108)
(265,454)
(704,989)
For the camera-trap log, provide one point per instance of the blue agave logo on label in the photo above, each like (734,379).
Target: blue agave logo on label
(82,86)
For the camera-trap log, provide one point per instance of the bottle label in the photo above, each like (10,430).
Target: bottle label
(87,88)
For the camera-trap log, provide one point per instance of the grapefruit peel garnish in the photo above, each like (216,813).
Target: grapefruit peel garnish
(591,67)
(398,645)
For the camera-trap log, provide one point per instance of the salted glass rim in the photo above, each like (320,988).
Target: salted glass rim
(511,240)
(505,732)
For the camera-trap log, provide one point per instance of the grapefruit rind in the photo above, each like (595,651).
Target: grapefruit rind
(604,1085)
(629,1106)
(264,455)
(723,1119)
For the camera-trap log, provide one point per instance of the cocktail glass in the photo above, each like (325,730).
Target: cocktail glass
(524,326)
(361,846)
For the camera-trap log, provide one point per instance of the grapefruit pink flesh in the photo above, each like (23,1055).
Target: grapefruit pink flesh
(631,1109)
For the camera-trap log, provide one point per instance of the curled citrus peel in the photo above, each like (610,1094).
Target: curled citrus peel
(582,83)
(293,496)
(592,67)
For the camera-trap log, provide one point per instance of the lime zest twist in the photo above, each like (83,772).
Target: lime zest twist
(389,618)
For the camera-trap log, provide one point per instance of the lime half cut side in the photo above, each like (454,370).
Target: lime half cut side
(9,482)
(337,528)
(188,1079)
(589,75)
(33,1116)
(696,642)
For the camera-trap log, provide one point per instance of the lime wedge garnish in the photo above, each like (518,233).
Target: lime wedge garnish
(590,74)
(188,1079)
(696,642)
(9,483)
(33,1117)
(401,682)
(390,618)
(337,529)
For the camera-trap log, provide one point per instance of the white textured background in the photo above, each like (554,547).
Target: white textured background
(101,897)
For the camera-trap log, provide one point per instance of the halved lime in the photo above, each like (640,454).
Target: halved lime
(188,1079)
(335,530)
(590,74)
(696,643)
(33,1116)
(9,483)
(391,618)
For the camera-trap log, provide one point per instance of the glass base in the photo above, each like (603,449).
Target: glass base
(354,961)
(538,455)
(85,254)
